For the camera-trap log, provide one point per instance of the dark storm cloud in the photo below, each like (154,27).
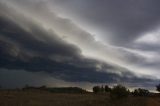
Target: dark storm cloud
(42,78)
(120,23)
(70,31)
(126,19)
(36,39)
(34,49)
(27,49)
(76,69)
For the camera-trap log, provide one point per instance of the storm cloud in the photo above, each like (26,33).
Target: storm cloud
(126,20)
(58,40)
(21,50)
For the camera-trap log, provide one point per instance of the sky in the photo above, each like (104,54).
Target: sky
(80,43)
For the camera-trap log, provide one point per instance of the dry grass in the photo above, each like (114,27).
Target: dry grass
(30,98)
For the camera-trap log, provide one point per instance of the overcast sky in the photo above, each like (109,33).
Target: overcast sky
(80,43)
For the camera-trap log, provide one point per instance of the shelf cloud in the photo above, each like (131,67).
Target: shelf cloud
(80,41)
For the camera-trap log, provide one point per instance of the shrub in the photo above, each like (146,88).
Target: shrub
(43,87)
(102,90)
(140,92)
(96,89)
(158,87)
(107,89)
(119,92)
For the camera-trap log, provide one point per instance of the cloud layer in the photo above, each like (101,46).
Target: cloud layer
(125,19)
(130,27)
(36,49)
(38,37)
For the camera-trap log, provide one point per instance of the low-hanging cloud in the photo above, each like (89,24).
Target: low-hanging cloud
(21,50)
(35,39)
(121,24)
(125,19)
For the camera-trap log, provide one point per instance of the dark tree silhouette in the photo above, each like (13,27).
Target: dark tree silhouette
(158,87)
(119,92)
(96,89)
(102,90)
(43,87)
(141,92)
(107,88)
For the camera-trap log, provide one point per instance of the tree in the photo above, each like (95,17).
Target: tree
(140,92)
(119,92)
(158,87)
(26,86)
(96,89)
(43,87)
(102,90)
(107,89)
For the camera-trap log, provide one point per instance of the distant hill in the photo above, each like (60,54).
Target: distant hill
(57,89)
(66,90)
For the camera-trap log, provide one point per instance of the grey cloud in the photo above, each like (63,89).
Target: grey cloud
(33,48)
(29,41)
(146,47)
(42,78)
(20,78)
(27,45)
(133,11)
(126,19)
(78,69)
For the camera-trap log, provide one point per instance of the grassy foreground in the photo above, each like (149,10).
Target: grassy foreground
(35,98)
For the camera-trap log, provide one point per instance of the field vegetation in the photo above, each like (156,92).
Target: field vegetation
(73,96)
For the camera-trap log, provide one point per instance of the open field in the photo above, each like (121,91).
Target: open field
(30,98)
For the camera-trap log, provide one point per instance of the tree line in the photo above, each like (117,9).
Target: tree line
(118,91)
(121,91)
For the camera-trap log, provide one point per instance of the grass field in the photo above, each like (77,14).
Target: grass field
(30,98)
